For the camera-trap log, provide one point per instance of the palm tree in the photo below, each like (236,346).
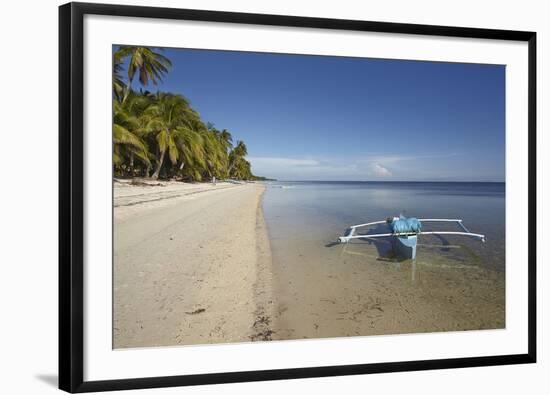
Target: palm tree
(128,132)
(126,142)
(118,83)
(237,153)
(151,65)
(190,142)
(192,153)
(216,156)
(166,121)
(226,139)
(242,169)
(240,149)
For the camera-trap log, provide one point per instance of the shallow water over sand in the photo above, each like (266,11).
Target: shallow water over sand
(324,289)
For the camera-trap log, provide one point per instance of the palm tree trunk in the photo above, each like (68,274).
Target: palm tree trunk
(132,164)
(157,171)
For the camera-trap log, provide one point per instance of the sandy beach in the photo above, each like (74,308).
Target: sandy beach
(196,264)
(191,264)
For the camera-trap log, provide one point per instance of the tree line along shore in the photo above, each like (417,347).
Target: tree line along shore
(159,135)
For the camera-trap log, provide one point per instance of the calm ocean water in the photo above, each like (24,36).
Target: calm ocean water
(305,218)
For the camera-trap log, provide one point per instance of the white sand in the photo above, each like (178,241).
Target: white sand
(191,265)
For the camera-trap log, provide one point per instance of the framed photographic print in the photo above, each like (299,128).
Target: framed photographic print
(253,197)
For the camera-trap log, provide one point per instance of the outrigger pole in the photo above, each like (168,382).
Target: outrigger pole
(350,232)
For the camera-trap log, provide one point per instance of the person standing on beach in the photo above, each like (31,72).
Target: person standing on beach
(214,180)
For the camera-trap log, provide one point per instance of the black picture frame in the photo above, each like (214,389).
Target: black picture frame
(71,204)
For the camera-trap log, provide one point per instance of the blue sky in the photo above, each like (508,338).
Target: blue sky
(333,118)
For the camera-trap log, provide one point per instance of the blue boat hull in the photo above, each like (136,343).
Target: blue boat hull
(405,246)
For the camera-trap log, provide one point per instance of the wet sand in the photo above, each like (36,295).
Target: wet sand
(349,290)
(191,265)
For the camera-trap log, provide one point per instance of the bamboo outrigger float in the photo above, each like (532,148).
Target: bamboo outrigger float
(404,233)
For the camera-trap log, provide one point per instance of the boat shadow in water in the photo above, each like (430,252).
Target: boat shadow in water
(383,246)
(444,243)
(386,253)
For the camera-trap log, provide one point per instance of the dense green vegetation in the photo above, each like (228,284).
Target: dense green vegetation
(160,135)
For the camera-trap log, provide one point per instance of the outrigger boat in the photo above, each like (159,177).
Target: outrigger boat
(404,233)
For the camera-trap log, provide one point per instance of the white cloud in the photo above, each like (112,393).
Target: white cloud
(389,159)
(303,169)
(277,161)
(381,171)
(369,167)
